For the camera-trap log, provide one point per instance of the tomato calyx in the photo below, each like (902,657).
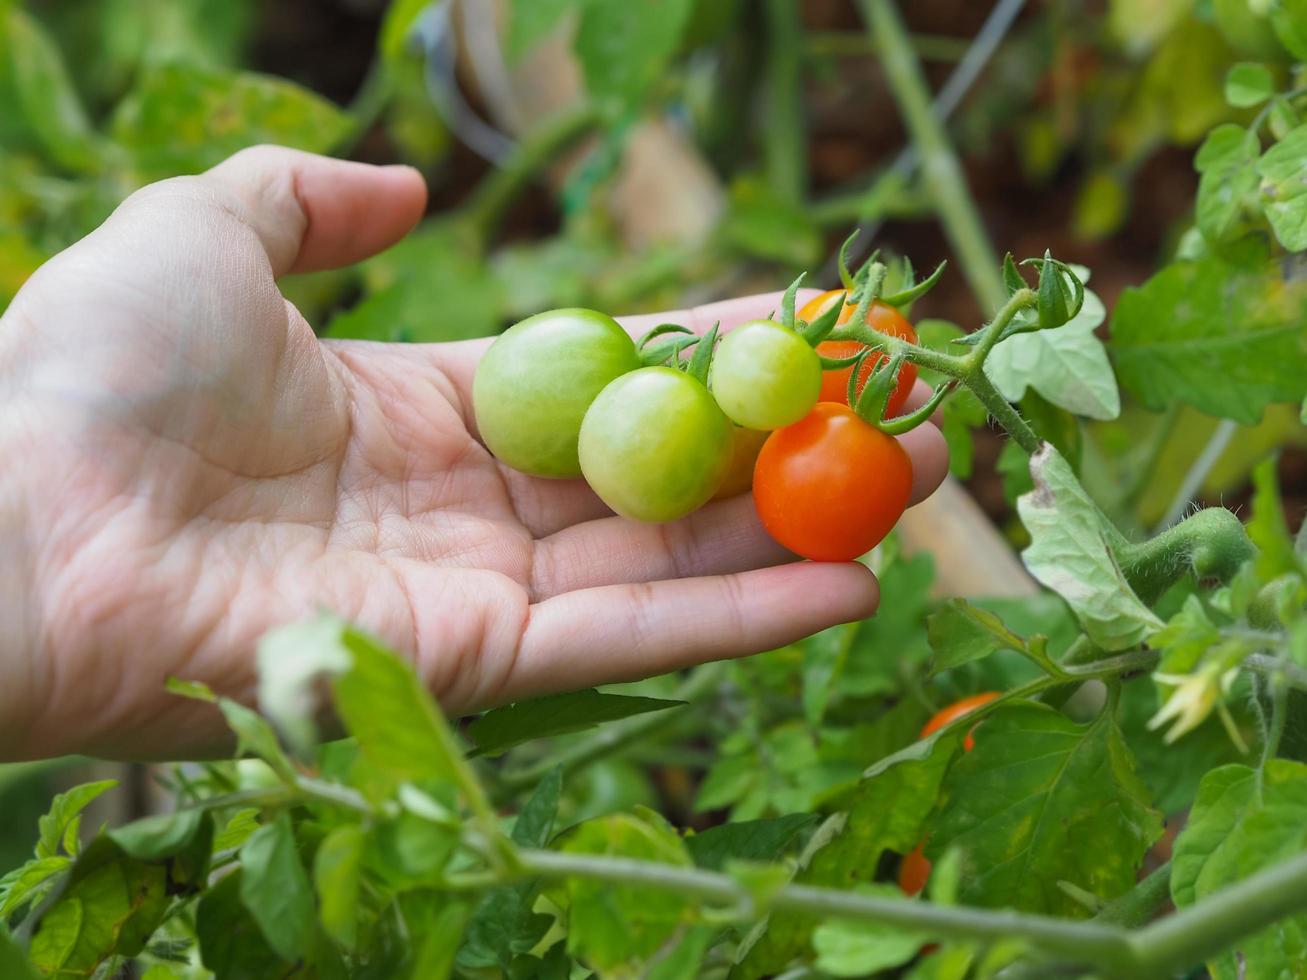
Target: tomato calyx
(664,343)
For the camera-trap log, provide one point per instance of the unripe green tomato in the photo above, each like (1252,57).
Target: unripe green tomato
(765,376)
(534,384)
(1247,30)
(654,445)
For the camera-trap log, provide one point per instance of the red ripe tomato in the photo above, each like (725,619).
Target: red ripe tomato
(914,870)
(880,317)
(830,486)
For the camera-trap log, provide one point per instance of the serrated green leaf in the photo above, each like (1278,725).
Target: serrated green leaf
(255,735)
(748,840)
(231,943)
(497,731)
(275,888)
(886,811)
(110,905)
(1237,827)
(64,808)
(960,633)
(624,45)
(611,927)
(761,224)
(292,660)
(1067,365)
(158,836)
(1283,190)
(859,949)
(1248,84)
(26,883)
(1172,336)
(400,728)
(1039,800)
(182,118)
(336,877)
(1227,162)
(503,923)
(1070,554)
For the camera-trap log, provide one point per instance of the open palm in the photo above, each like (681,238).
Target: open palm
(195,467)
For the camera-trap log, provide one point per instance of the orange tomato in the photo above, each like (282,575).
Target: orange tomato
(880,317)
(914,869)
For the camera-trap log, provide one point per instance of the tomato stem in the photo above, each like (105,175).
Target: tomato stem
(1212,543)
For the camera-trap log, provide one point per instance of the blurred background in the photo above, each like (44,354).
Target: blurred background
(637,155)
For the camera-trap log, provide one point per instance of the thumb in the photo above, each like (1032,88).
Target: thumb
(312,212)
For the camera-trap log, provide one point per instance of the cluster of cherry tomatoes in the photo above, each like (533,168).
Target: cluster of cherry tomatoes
(657,434)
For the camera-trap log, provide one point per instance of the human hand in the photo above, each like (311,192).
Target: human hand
(188,466)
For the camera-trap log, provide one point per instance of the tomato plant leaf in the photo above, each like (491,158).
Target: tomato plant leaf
(1068,365)
(1248,84)
(1039,800)
(748,840)
(1284,194)
(1289,21)
(64,809)
(960,633)
(1069,552)
(885,811)
(400,728)
(499,730)
(182,118)
(624,45)
(110,905)
(28,882)
(1227,162)
(185,836)
(13,962)
(230,940)
(1238,825)
(859,949)
(531,22)
(503,923)
(292,660)
(38,102)
(336,877)
(612,926)
(1174,335)
(1267,527)
(276,889)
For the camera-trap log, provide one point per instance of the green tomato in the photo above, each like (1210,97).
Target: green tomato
(534,384)
(765,376)
(654,445)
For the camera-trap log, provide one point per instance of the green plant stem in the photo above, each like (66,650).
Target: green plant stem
(1193,934)
(940,170)
(929,47)
(499,189)
(784,143)
(1074,940)
(369,102)
(1140,904)
(1212,542)
(968,368)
